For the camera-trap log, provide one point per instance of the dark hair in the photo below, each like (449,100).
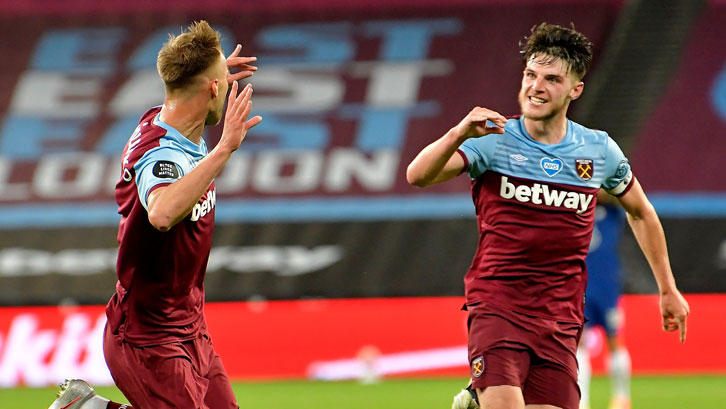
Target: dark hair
(188,54)
(555,41)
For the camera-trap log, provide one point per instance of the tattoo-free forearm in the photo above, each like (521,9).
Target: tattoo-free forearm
(429,166)
(648,232)
(170,204)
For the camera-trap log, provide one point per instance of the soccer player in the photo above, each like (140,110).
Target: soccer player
(604,287)
(534,181)
(156,342)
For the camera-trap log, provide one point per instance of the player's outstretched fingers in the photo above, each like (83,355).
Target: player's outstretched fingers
(243,101)
(232,98)
(246,71)
(249,124)
(246,111)
(248,93)
(494,129)
(236,106)
(252,122)
(241,63)
(236,51)
(499,120)
(682,327)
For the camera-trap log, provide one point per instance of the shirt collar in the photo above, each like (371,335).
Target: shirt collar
(173,133)
(567,139)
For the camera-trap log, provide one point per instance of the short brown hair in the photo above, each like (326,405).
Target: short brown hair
(555,41)
(188,54)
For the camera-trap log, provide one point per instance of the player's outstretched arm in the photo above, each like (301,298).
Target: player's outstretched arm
(649,234)
(242,64)
(437,163)
(170,204)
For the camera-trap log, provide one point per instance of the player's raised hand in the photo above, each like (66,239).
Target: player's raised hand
(240,63)
(674,309)
(236,123)
(475,123)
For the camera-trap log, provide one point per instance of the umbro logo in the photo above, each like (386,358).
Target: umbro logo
(518,159)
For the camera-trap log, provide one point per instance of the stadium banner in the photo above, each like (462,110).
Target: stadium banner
(277,261)
(256,261)
(347,99)
(44,7)
(337,339)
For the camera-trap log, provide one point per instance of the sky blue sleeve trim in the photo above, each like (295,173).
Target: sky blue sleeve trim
(618,173)
(145,178)
(474,151)
(466,161)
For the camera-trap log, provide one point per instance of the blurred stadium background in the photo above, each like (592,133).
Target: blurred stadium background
(326,265)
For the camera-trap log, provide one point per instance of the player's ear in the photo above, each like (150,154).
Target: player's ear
(215,88)
(577,90)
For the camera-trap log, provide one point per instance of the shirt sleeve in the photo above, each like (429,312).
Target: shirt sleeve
(617,170)
(478,154)
(158,167)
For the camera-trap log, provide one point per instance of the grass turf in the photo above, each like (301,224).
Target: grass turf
(661,392)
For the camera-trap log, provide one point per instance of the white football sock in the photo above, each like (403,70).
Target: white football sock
(620,373)
(583,375)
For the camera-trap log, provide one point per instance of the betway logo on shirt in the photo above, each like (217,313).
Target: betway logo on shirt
(542,194)
(206,206)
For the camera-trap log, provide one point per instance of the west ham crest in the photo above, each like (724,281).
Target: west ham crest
(584,168)
(477,367)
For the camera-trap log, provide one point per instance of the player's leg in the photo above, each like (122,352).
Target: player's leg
(498,356)
(496,397)
(163,377)
(619,365)
(619,368)
(77,394)
(159,377)
(501,397)
(584,373)
(551,386)
(219,392)
(552,377)
(595,311)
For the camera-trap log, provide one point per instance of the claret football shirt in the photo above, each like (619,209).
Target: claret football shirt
(160,290)
(535,208)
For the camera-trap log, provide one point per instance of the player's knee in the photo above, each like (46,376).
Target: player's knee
(501,397)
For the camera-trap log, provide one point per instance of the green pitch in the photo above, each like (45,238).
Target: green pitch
(666,392)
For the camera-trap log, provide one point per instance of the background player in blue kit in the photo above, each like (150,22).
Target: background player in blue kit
(534,182)
(604,288)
